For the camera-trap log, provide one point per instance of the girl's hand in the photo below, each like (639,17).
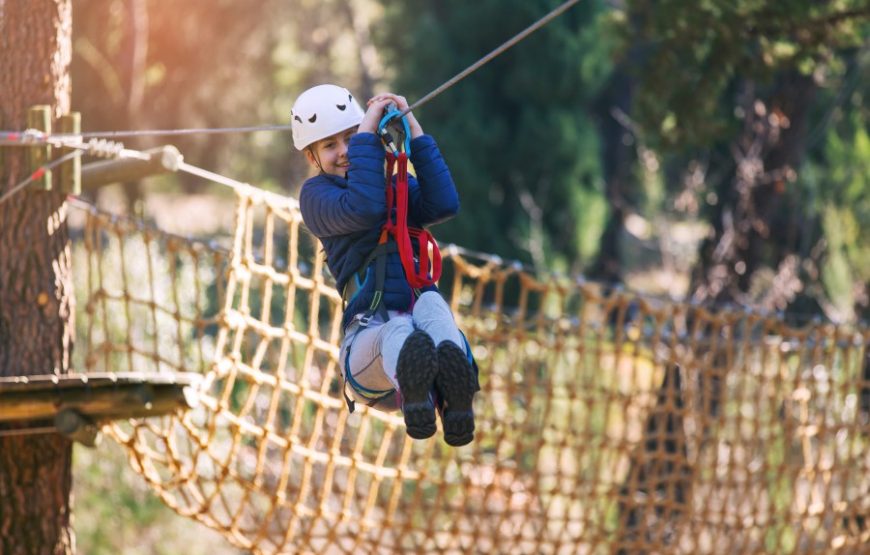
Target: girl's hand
(373,115)
(402,104)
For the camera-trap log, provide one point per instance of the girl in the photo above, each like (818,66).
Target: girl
(401,346)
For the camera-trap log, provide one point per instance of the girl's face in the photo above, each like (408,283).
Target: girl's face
(330,154)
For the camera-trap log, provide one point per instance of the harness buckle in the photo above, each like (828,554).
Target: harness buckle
(351,404)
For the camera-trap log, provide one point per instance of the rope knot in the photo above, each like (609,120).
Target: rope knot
(104,148)
(31,136)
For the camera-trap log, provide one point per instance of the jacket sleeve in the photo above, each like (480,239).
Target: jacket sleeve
(435,198)
(329,209)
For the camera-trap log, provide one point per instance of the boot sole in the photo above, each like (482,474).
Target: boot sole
(416,372)
(455,385)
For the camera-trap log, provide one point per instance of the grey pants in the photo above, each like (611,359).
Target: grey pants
(374,349)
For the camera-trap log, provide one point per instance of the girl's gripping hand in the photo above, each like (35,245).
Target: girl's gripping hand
(402,104)
(373,115)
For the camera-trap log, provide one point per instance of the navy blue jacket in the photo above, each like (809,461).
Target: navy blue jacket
(347,214)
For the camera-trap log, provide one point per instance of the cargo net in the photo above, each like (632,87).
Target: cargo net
(607,421)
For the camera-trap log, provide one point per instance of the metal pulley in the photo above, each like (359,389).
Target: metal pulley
(395,131)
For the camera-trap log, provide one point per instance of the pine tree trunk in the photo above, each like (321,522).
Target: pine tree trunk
(616,165)
(36,295)
(754,225)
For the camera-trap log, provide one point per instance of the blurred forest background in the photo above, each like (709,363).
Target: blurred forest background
(709,150)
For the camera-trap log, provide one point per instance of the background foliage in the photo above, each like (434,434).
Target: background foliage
(710,149)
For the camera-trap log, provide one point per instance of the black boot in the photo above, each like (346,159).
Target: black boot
(456,385)
(415,372)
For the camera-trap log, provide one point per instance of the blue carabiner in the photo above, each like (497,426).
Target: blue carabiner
(391,113)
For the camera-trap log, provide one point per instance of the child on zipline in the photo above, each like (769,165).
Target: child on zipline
(401,346)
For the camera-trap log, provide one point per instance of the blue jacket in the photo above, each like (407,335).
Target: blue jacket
(347,214)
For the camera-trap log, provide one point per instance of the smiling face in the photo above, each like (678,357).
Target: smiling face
(329,155)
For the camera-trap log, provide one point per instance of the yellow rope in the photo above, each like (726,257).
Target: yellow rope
(608,422)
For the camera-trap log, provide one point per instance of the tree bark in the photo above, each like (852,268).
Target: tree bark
(36,295)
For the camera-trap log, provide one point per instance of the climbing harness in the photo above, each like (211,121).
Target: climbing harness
(396,236)
(372,397)
(425,272)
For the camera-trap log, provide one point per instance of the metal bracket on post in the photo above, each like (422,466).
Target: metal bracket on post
(39,118)
(74,425)
(70,173)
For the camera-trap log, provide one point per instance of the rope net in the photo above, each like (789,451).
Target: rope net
(607,422)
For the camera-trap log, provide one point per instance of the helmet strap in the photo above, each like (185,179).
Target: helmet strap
(316,157)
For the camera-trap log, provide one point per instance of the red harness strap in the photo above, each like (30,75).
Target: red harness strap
(426,273)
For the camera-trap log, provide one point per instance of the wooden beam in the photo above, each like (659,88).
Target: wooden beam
(164,159)
(98,398)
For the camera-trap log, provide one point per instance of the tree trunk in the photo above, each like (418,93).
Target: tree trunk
(616,165)
(656,493)
(753,227)
(36,296)
(865,394)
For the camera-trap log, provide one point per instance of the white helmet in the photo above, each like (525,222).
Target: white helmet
(323,111)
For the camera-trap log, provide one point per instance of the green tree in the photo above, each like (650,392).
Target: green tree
(744,89)
(519,135)
(741,85)
(836,185)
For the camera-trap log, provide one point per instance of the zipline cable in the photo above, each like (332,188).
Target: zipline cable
(13,138)
(94,147)
(256,128)
(486,59)
(229,182)
(39,173)
(185,131)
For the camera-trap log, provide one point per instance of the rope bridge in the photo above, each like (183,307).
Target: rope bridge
(608,422)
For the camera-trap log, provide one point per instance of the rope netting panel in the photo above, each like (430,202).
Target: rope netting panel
(607,421)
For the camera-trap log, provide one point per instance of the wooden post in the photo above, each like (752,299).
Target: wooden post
(70,173)
(39,117)
(36,291)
